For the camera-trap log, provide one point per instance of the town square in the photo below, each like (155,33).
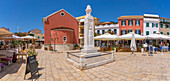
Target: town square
(85,41)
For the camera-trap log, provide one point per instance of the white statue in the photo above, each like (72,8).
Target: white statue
(88,29)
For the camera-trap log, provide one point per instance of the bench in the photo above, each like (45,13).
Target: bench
(7,59)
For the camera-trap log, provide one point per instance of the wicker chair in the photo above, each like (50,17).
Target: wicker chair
(126,49)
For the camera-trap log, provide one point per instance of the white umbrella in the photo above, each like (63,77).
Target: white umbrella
(133,43)
(129,36)
(158,36)
(106,36)
(154,36)
(14,37)
(29,37)
(165,37)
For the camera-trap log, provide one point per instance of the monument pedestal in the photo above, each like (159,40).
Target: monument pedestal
(90,52)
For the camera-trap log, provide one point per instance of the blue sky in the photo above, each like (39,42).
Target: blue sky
(28,14)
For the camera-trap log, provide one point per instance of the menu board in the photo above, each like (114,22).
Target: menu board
(31,65)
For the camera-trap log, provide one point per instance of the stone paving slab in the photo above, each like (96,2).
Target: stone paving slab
(139,67)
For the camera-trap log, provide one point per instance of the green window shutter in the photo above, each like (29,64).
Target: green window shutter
(139,32)
(135,31)
(132,22)
(154,32)
(156,25)
(125,22)
(129,31)
(121,22)
(147,24)
(165,26)
(167,33)
(135,22)
(139,22)
(152,24)
(103,31)
(125,31)
(121,32)
(147,32)
(161,25)
(161,32)
(128,22)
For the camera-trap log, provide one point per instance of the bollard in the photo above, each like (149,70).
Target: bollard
(66,55)
(112,56)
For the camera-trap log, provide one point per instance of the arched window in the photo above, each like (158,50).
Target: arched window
(64,38)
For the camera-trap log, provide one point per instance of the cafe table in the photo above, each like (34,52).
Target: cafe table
(22,55)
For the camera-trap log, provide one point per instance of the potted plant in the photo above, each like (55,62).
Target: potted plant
(115,49)
(76,46)
(45,48)
(142,49)
(50,48)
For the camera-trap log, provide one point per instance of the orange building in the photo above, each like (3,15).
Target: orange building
(62,29)
(130,23)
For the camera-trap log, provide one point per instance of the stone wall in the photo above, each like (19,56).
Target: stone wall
(61,47)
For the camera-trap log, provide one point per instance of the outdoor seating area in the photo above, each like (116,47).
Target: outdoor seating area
(108,42)
(14,49)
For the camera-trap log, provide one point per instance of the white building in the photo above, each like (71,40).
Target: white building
(104,27)
(151,24)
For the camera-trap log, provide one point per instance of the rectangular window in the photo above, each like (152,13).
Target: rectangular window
(166,26)
(98,31)
(138,32)
(147,32)
(115,30)
(154,32)
(123,32)
(167,33)
(161,32)
(152,24)
(103,31)
(130,22)
(161,25)
(156,25)
(147,24)
(137,22)
(123,22)
(129,31)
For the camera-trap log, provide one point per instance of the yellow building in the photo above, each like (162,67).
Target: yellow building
(81,27)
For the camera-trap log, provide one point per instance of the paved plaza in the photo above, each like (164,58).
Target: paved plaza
(139,67)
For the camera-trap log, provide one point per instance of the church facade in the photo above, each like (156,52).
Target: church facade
(61,31)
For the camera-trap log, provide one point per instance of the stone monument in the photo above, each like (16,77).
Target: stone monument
(89,56)
(89,49)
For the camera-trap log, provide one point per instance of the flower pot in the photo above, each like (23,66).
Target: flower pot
(142,50)
(77,47)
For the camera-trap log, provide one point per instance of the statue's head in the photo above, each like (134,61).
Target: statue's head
(88,10)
